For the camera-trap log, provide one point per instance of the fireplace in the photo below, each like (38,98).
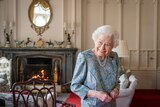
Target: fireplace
(56,64)
(37,66)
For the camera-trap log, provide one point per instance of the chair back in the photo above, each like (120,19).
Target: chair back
(34,93)
(5,67)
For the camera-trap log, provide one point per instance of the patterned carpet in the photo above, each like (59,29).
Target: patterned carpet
(146,98)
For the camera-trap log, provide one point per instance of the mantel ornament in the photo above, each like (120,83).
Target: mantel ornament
(7,33)
(40,15)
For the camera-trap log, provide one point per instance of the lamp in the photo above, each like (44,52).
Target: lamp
(122,51)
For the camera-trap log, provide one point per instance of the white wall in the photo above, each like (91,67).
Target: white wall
(18,13)
(137,21)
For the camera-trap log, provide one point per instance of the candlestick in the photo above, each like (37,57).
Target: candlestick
(73,25)
(65,26)
(11,25)
(4,24)
(7,32)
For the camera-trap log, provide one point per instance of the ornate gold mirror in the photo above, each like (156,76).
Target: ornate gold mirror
(40,15)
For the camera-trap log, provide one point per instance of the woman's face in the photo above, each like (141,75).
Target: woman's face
(103,46)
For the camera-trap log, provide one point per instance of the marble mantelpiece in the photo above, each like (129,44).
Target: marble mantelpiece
(68,56)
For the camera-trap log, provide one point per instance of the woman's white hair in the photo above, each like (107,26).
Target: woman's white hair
(106,30)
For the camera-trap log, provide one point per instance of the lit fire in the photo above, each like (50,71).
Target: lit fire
(42,76)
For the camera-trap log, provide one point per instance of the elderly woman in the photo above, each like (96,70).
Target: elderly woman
(96,73)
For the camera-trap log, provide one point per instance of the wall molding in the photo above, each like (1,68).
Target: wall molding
(149,60)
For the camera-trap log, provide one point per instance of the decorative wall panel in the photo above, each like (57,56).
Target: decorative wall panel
(158,80)
(158,60)
(142,59)
(147,60)
(129,23)
(133,59)
(151,59)
(111,13)
(158,22)
(146,79)
(147,25)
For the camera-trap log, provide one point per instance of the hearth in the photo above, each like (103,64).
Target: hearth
(41,68)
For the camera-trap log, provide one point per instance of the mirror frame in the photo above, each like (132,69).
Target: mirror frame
(39,29)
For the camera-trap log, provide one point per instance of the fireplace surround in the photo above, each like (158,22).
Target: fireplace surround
(28,61)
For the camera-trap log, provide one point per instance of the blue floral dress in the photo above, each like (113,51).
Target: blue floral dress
(89,74)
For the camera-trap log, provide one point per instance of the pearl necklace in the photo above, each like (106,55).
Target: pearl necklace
(102,63)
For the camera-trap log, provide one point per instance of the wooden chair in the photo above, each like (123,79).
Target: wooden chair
(36,93)
(5,69)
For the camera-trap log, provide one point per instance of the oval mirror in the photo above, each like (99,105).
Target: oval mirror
(40,15)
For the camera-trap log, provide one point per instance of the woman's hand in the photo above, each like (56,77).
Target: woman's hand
(103,96)
(114,94)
